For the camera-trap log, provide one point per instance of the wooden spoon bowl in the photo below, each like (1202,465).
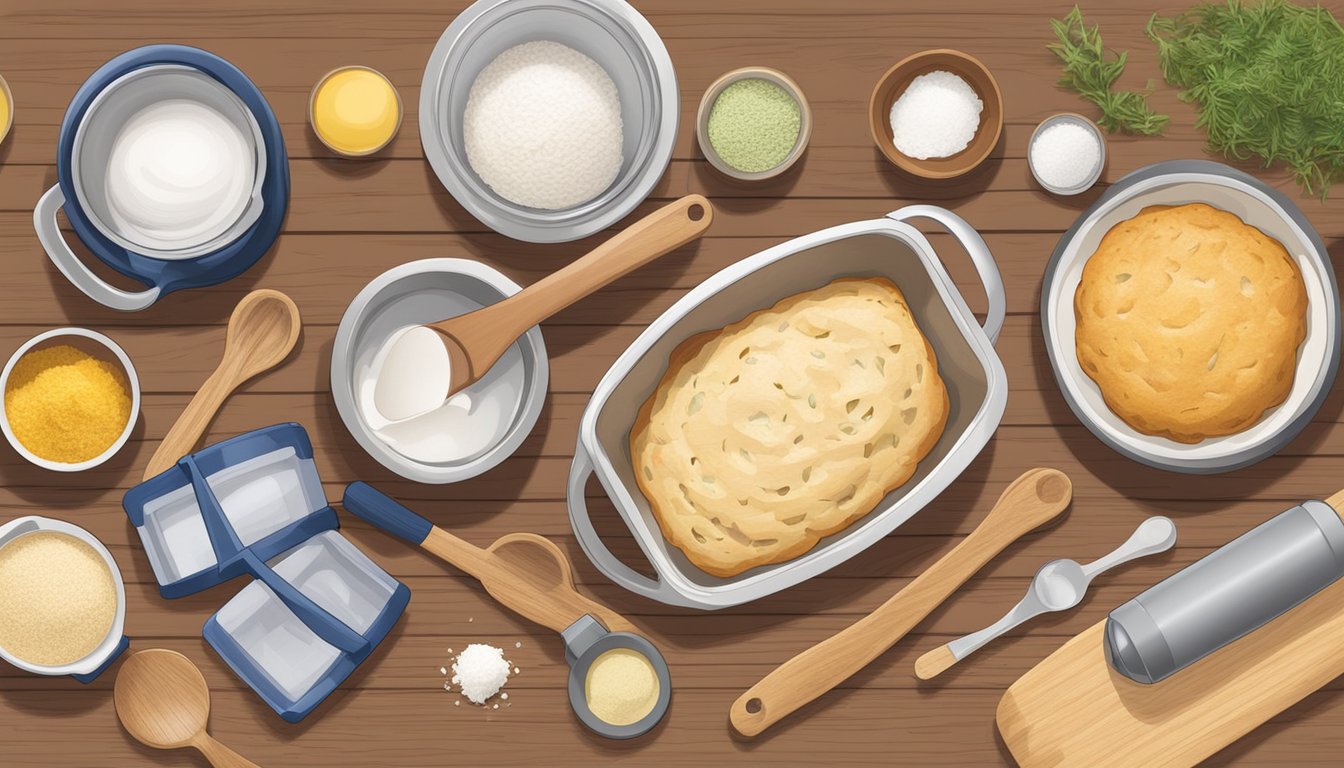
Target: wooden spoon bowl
(263,330)
(163,701)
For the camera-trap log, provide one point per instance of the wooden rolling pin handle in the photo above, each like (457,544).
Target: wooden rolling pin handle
(1035,498)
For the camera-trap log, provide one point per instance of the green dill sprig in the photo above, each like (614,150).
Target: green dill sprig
(1089,72)
(1267,80)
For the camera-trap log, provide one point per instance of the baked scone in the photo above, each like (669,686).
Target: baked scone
(1189,321)
(788,425)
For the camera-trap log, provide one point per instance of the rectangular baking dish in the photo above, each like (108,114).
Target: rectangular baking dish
(887,247)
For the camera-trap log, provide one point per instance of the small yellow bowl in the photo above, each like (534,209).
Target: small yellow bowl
(355,111)
(7,105)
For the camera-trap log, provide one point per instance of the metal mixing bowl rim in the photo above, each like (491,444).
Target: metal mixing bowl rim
(343,357)
(572,224)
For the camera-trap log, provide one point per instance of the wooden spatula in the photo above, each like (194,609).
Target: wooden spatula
(1030,501)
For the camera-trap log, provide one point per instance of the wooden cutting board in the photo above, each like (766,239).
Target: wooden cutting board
(1073,709)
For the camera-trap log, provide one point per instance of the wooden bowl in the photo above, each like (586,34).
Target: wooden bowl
(897,79)
(707,105)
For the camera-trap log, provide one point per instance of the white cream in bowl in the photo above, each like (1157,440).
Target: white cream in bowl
(179,172)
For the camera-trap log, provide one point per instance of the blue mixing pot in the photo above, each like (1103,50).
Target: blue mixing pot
(82,157)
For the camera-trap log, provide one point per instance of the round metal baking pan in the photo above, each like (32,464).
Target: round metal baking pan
(1261,206)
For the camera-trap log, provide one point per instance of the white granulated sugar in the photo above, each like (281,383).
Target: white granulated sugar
(1065,155)
(480,671)
(936,116)
(543,126)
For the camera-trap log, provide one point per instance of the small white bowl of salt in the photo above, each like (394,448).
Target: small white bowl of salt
(1067,154)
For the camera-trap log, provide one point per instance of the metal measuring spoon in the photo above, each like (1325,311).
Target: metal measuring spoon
(1058,586)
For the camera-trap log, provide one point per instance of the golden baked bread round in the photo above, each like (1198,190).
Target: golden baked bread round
(1189,321)
(788,425)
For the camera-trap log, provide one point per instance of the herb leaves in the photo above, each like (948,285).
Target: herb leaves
(1088,72)
(1267,79)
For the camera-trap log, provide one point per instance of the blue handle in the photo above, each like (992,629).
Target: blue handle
(366,502)
(223,539)
(122,645)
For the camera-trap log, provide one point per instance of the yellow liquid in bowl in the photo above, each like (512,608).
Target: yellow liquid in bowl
(355,111)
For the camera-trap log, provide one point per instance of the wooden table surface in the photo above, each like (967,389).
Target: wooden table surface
(351,220)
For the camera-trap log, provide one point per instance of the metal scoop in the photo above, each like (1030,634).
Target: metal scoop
(1058,586)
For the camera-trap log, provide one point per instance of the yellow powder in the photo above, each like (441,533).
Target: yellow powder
(5,109)
(355,111)
(622,687)
(66,406)
(57,598)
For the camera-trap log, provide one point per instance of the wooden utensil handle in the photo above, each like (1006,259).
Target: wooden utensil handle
(187,431)
(468,558)
(664,230)
(1035,498)
(219,755)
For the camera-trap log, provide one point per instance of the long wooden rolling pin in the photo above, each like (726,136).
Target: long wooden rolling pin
(1030,501)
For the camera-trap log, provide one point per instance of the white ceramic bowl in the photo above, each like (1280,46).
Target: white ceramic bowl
(96,345)
(1257,204)
(112,643)
(423,292)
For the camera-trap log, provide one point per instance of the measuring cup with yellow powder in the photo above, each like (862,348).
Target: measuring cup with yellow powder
(355,111)
(62,601)
(619,685)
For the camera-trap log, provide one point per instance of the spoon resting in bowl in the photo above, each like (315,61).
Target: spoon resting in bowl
(420,367)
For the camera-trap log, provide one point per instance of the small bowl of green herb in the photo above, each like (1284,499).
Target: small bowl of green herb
(753,124)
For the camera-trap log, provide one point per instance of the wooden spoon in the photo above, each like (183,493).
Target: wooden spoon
(524,572)
(475,341)
(262,331)
(162,700)
(1035,498)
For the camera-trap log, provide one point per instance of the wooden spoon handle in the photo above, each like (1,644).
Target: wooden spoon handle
(191,425)
(1031,500)
(219,755)
(664,230)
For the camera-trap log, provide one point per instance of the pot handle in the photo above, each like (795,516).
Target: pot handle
(117,650)
(592,545)
(980,256)
(93,286)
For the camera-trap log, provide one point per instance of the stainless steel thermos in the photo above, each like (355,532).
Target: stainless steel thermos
(1239,587)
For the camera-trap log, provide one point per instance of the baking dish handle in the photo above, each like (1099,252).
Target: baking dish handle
(93,286)
(592,545)
(980,256)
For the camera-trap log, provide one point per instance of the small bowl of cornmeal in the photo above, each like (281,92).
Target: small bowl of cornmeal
(619,684)
(355,111)
(71,399)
